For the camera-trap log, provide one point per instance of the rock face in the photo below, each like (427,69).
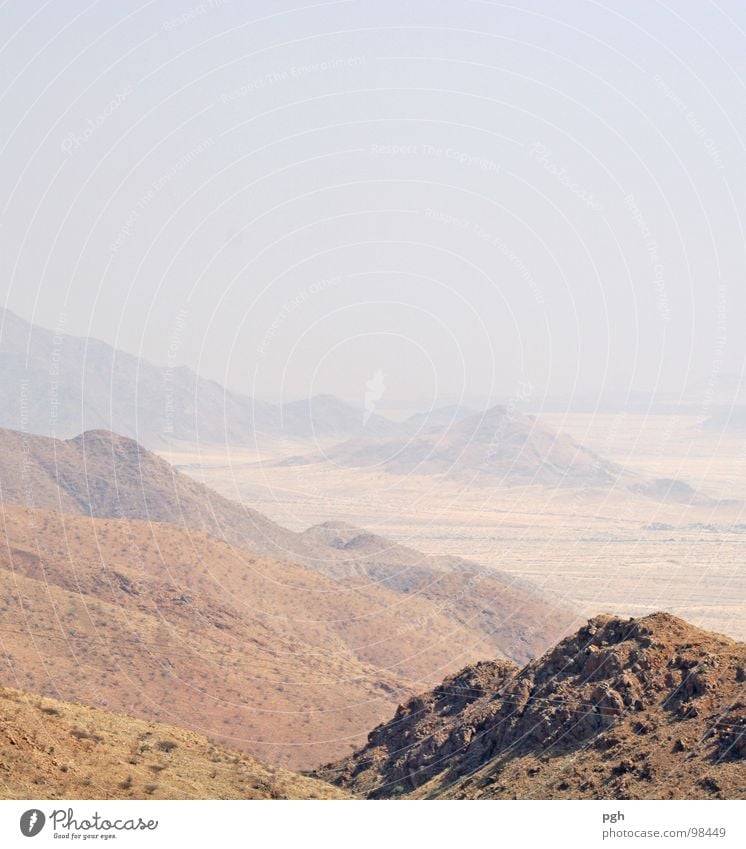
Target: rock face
(648,708)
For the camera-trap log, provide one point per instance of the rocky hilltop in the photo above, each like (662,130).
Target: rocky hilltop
(623,709)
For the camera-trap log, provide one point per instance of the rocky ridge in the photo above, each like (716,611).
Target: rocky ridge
(641,708)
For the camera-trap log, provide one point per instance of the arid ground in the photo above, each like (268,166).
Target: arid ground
(597,549)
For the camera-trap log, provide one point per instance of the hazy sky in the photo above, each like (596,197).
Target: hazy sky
(291,196)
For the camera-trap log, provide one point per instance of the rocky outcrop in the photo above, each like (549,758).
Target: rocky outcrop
(621,709)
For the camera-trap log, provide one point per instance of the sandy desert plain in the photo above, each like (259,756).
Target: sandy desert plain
(598,550)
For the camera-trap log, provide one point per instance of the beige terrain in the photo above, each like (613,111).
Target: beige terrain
(57,750)
(593,547)
(624,709)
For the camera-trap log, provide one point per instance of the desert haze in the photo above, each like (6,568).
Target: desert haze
(286,594)
(373,420)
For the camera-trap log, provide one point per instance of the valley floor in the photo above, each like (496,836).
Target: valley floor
(596,550)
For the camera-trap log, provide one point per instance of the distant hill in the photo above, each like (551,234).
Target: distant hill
(497,445)
(506,609)
(726,419)
(55,384)
(58,750)
(105,475)
(623,709)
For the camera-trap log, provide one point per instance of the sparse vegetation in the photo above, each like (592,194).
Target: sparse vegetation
(51,755)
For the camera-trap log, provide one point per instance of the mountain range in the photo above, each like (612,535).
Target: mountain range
(56,384)
(104,475)
(288,645)
(136,596)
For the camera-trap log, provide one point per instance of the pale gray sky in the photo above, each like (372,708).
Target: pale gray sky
(290,196)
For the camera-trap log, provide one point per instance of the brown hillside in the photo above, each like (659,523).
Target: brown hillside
(173,625)
(508,612)
(104,475)
(101,474)
(624,709)
(55,750)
